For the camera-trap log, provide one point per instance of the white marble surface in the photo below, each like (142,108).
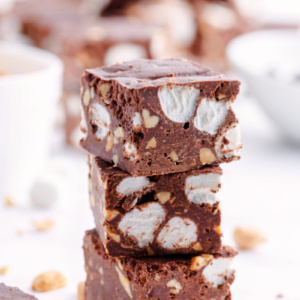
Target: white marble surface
(261,190)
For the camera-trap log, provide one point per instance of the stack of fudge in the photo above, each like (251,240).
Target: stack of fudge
(156,132)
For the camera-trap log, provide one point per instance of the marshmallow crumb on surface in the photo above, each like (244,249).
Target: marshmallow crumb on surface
(247,238)
(5,269)
(49,281)
(178,102)
(43,225)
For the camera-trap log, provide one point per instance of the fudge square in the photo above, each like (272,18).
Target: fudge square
(169,214)
(203,277)
(13,293)
(153,117)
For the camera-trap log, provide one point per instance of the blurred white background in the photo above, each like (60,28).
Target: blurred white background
(262,190)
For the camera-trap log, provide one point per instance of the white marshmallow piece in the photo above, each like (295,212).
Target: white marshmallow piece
(141,222)
(178,102)
(124,52)
(130,151)
(178,233)
(137,120)
(218,270)
(202,188)
(131,185)
(210,115)
(101,118)
(229,143)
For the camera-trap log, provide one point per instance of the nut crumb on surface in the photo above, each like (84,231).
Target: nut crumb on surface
(247,238)
(49,281)
(43,225)
(20,232)
(9,202)
(81,290)
(5,269)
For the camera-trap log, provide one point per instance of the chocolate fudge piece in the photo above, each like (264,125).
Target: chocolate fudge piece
(51,25)
(154,117)
(218,22)
(97,43)
(169,214)
(13,293)
(203,277)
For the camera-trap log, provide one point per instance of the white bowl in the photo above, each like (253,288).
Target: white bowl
(267,60)
(29,94)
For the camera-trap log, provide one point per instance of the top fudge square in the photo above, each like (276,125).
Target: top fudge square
(154,117)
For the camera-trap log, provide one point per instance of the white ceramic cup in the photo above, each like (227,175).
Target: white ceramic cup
(29,94)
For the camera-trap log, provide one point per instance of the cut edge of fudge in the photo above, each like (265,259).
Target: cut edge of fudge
(177,277)
(7,292)
(144,216)
(153,117)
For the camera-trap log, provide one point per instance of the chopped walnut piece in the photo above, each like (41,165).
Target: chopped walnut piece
(247,238)
(218,230)
(86,97)
(119,132)
(104,88)
(206,156)
(111,214)
(81,291)
(149,121)
(43,225)
(163,197)
(201,261)
(177,286)
(197,247)
(5,269)
(9,202)
(113,235)
(49,281)
(115,159)
(152,143)
(110,142)
(173,156)
(125,282)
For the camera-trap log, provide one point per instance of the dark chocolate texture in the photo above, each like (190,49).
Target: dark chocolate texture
(157,278)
